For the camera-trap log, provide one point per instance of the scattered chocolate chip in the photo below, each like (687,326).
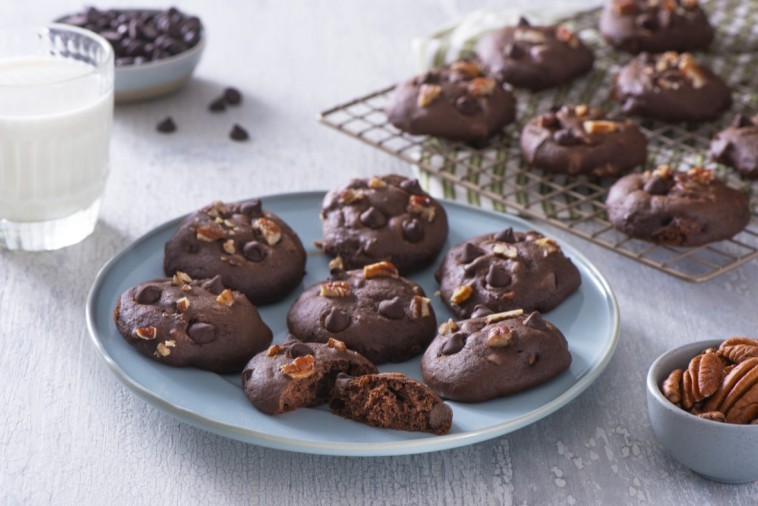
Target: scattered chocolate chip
(215,285)
(550,121)
(217,105)
(412,230)
(299,350)
(498,277)
(480,311)
(411,186)
(658,185)
(392,308)
(373,218)
(470,253)
(506,235)
(522,21)
(514,51)
(454,344)
(535,321)
(741,121)
(565,138)
(468,106)
(202,333)
(166,126)
(252,207)
(647,21)
(247,374)
(254,251)
(336,320)
(148,294)
(232,96)
(238,133)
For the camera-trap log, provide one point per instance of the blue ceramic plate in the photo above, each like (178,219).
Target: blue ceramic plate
(589,319)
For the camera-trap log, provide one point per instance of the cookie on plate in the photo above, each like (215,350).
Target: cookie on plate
(507,270)
(655,26)
(391,401)
(253,250)
(458,102)
(185,322)
(534,57)
(582,140)
(494,356)
(383,218)
(295,375)
(671,87)
(679,208)
(737,146)
(382,316)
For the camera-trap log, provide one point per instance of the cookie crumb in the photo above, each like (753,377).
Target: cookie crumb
(166,126)
(238,133)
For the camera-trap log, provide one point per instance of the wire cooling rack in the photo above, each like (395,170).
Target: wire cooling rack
(493,175)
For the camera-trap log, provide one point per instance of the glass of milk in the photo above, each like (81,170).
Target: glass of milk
(56,109)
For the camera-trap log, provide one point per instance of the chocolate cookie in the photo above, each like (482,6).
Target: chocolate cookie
(655,26)
(185,322)
(678,208)
(534,57)
(582,140)
(295,375)
(253,250)
(737,146)
(671,87)
(384,218)
(391,401)
(458,102)
(373,310)
(508,270)
(494,356)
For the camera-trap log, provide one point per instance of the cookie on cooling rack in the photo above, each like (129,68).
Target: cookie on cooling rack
(459,102)
(737,146)
(664,206)
(671,87)
(534,57)
(253,250)
(501,354)
(655,26)
(582,140)
(507,270)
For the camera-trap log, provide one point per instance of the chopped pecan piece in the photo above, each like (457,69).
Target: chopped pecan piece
(447,327)
(376,183)
(336,344)
(461,294)
(146,333)
(229,246)
(700,175)
(380,270)
(481,86)
(300,368)
(209,233)
(467,68)
(547,245)
(274,350)
(600,127)
(269,229)
(505,250)
(567,36)
(335,289)
(350,195)
(164,349)
(336,263)
(422,205)
(427,93)
(581,110)
(499,337)
(420,307)
(529,35)
(181,278)
(182,304)
(497,317)
(226,297)
(692,71)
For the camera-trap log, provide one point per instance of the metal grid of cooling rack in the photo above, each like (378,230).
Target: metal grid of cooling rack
(494,174)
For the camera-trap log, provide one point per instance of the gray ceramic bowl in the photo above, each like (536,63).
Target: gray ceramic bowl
(714,450)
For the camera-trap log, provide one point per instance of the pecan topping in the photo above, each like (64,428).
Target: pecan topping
(467,68)
(581,110)
(567,36)
(600,127)
(505,250)
(335,289)
(380,270)
(481,86)
(700,175)
(461,294)
(376,183)
(226,298)
(274,350)
(300,368)
(547,245)
(350,195)
(336,263)
(209,233)
(269,229)
(499,337)
(663,171)
(420,307)
(181,278)
(692,71)
(422,205)
(497,317)
(529,35)
(336,344)
(146,333)
(427,93)
(448,327)
(164,349)
(229,246)
(182,304)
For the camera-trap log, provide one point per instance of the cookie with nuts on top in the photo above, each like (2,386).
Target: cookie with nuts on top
(655,26)
(506,270)
(671,87)
(665,206)
(459,102)
(582,140)
(253,250)
(185,322)
(383,218)
(534,57)
(295,374)
(737,146)
(374,311)
(493,356)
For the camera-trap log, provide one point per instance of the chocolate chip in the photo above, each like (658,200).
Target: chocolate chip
(470,253)
(431,77)
(166,126)
(741,121)
(647,21)
(454,344)
(251,207)
(522,21)
(254,251)
(148,294)
(373,218)
(217,105)
(498,277)
(480,311)
(246,375)
(232,96)
(411,186)
(299,350)
(506,235)
(336,320)
(215,285)
(468,106)
(238,134)
(392,308)
(565,138)
(412,230)
(202,333)
(514,51)
(658,185)
(535,321)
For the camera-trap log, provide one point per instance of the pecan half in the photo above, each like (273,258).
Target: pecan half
(706,370)
(269,230)
(718,401)
(274,350)
(209,233)
(739,349)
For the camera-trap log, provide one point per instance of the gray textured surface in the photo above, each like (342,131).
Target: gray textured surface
(70,433)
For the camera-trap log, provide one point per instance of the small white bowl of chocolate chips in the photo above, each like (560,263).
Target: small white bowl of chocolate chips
(702,400)
(155,51)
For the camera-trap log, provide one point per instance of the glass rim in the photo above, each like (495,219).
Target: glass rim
(94,69)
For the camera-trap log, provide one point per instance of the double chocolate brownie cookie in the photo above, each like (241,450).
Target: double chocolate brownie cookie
(186,322)
(253,250)
(582,140)
(534,57)
(678,208)
(494,356)
(507,270)
(295,375)
(377,313)
(391,401)
(737,146)
(655,26)
(383,218)
(458,102)
(671,87)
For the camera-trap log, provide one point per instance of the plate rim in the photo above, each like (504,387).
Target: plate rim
(387,448)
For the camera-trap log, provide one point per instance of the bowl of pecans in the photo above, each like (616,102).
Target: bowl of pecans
(702,400)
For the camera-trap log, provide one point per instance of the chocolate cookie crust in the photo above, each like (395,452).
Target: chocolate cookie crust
(534,57)
(655,26)
(582,140)
(671,87)
(184,322)
(494,356)
(383,218)
(458,102)
(737,146)
(678,208)
(507,270)
(253,250)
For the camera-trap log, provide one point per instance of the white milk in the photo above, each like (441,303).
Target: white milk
(54,138)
